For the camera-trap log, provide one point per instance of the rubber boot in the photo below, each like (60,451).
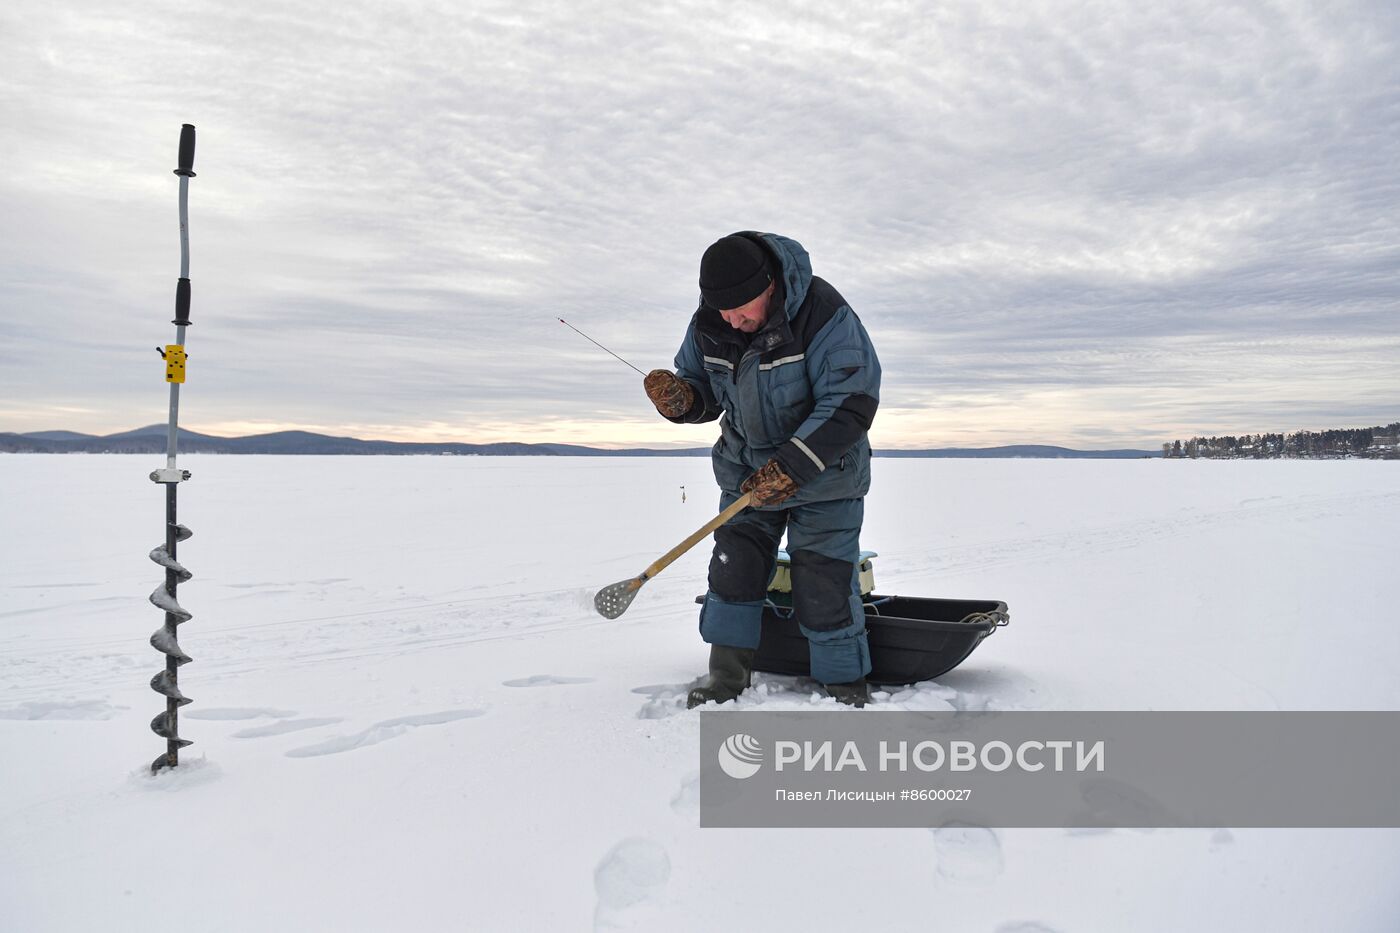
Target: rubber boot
(856,693)
(730,670)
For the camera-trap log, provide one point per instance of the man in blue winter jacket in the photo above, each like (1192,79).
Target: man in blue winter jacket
(779,353)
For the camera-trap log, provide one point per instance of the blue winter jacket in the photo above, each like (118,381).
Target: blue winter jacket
(802,390)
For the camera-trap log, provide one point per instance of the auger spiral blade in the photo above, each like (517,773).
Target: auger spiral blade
(164,684)
(161,556)
(163,600)
(164,726)
(164,641)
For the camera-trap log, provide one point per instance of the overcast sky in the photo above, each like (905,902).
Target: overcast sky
(1090,224)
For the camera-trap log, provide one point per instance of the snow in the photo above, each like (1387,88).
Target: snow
(408,715)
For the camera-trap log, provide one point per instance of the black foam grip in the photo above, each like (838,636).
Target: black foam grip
(186,151)
(182,302)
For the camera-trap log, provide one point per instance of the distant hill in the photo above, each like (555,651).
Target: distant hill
(1024,450)
(151,440)
(57,436)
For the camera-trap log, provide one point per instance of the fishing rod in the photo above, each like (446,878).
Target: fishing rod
(595,343)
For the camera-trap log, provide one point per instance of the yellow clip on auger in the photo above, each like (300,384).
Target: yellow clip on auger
(174,363)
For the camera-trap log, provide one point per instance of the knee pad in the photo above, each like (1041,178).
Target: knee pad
(742,563)
(823,593)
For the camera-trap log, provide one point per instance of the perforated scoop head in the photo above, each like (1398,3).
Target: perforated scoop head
(612,600)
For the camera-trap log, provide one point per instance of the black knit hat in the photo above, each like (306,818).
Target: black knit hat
(733,272)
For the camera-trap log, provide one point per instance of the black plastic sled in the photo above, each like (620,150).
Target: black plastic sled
(912,638)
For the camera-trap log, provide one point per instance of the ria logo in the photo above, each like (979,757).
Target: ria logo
(741,756)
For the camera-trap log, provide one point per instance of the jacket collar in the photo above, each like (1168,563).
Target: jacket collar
(775,332)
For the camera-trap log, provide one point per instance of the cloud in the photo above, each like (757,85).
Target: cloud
(1101,222)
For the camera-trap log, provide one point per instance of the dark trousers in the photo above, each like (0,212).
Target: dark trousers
(823,543)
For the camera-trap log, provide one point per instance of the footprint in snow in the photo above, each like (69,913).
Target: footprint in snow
(632,872)
(654,690)
(1085,832)
(381,732)
(663,700)
(62,709)
(236,713)
(545,680)
(1109,802)
(966,852)
(686,801)
(283,727)
(1220,838)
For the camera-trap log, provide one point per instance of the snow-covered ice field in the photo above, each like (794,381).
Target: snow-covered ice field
(408,716)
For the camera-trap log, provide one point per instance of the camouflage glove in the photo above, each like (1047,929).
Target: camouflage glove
(671,395)
(770,485)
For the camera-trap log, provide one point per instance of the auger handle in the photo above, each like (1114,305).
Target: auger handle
(186,151)
(664,561)
(182,286)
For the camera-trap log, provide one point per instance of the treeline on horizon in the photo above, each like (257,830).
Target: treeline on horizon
(1377,442)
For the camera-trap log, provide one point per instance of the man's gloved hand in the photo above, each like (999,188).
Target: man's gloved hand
(671,395)
(770,485)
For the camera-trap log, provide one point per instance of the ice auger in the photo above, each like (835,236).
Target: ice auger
(167,682)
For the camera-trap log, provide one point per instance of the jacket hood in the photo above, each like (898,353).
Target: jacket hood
(794,263)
